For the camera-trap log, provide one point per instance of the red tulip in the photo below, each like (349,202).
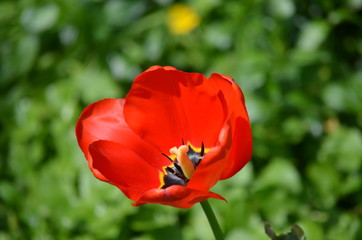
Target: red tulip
(172,138)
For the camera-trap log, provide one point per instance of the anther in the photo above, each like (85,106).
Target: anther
(167,157)
(202,149)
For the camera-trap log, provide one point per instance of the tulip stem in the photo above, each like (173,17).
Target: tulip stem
(212,220)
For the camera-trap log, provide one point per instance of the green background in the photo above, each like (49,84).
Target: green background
(298,62)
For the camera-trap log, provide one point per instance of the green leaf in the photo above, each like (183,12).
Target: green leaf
(296,233)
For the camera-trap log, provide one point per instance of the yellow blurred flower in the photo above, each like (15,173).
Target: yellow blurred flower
(182,19)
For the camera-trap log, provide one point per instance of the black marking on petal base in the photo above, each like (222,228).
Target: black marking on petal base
(178,168)
(171,179)
(194,156)
(174,174)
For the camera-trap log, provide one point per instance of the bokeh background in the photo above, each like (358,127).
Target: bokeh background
(298,62)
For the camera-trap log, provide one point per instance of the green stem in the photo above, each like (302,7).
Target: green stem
(212,220)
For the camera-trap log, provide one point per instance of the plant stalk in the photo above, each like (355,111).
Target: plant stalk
(212,220)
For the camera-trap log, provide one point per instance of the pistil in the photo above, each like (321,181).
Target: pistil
(184,160)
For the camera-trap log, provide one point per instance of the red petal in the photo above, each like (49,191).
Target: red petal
(176,196)
(124,168)
(100,120)
(208,173)
(165,106)
(157,67)
(104,120)
(241,149)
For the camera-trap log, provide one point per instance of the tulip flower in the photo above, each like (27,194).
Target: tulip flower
(171,139)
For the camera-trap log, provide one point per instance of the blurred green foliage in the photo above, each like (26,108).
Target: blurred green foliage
(298,62)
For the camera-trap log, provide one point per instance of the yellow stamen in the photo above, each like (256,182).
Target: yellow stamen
(184,160)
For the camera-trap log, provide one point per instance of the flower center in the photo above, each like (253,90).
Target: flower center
(185,160)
